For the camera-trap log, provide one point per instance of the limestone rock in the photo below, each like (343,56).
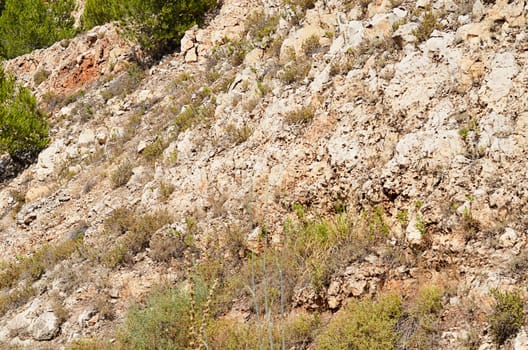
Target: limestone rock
(521,341)
(45,327)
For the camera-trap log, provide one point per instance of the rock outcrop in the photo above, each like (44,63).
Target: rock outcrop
(343,105)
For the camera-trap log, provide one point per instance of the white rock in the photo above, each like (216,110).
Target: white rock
(191,56)
(48,158)
(141,146)
(521,341)
(404,33)
(503,69)
(45,327)
(187,42)
(86,138)
(354,287)
(508,238)
(412,233)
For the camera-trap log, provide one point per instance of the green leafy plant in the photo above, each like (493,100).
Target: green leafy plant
(156,25)
(507,316)
(365,325)
(23,127)
(26,25)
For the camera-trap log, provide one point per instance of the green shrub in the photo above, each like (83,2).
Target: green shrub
(23,127)
(156,25)
(419,327)
(87,344)
(136,234)
(165,321)
(98,12)
(428,24)
(154,151)
(26,25)
(507,317)
(365,325)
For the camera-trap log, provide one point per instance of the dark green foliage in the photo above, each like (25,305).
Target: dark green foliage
(156,25)
(507,317)
(23,127)
(26,25)
(97,12)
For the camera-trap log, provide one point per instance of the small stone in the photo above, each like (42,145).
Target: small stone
(114,293)
(191,56)
(141,146)
(334,288)
(508,238)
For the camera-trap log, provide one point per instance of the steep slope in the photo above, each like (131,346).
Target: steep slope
(410,117)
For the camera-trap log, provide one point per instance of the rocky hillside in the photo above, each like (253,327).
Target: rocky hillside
(292,165)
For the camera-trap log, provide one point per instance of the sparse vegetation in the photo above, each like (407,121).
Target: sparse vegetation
(260,26)
(136,233)
(122,174)
(238,135)
(427,25)
(296,70)
(311,45)
(419,325)
(507,317)
(154,150)
(20,275)
(365,325)
(302,115)
(40,76)
(124,83)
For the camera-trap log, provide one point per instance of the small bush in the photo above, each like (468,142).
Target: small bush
(137,230)
(122,174)
(311,45)
(365,325)
(40,76)
(165,190)
(428,24)
(125,83)
(194,115)
(302,115)
(87,344)
(238,135)
(163,323)
(507,317)
(261,26)
(153,151)
(295,71)
(419,326)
